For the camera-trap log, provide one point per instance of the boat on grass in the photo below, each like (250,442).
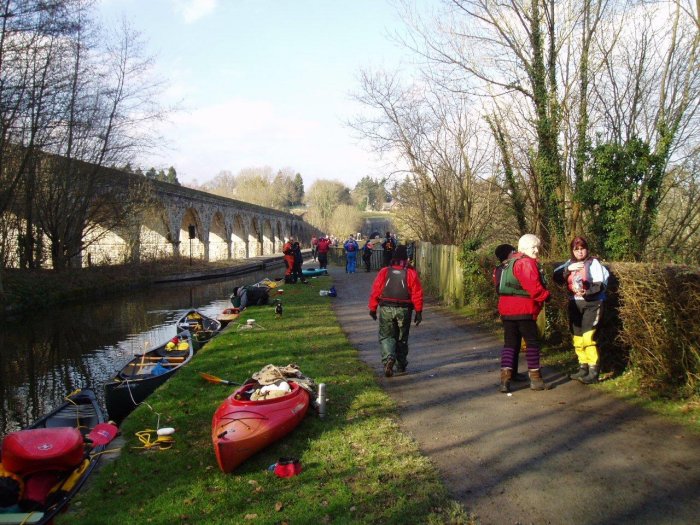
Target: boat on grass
(52,458)
(313,272)
(144,373)
(201,327)
(241,426)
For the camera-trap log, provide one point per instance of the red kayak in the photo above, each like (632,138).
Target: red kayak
(242,427)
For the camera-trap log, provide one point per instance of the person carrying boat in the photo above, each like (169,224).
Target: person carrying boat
(396,293)
(288,251)
(522,294)
(586,278)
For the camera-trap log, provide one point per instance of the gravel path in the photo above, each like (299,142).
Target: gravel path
(569,455)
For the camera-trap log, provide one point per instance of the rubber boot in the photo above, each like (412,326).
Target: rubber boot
(536,381)
(592,376)
(582,372)
(506,374)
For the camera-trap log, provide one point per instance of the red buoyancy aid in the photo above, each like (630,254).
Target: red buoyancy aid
(396,287)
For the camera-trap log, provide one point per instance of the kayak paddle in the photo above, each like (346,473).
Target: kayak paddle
(214,379)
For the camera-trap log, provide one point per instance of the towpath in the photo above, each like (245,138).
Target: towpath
(569,455)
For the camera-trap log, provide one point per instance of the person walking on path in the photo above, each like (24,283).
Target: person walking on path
(396,293)
(388,245)
(314,247)
(288,252)
(367,254)
(522,294)
(351,248)
(324,245)
(585,277)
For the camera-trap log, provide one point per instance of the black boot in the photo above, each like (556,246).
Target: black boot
(506,374)
(536,381)
(592,376)
(582,372)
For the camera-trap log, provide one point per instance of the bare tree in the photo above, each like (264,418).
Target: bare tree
(260,186)
(107,108)
(346,220)
(443,151)
(322,198)
(224,184)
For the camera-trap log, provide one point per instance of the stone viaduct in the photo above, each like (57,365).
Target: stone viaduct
(180,221)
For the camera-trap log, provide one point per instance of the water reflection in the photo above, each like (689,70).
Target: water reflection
(43,358)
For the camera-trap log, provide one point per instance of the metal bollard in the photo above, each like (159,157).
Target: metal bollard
(321,400)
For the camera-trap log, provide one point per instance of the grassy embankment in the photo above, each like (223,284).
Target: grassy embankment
(358,465)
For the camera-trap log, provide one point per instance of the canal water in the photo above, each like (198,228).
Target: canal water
(52,352)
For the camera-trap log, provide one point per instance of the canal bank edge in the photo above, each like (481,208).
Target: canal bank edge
(49,289)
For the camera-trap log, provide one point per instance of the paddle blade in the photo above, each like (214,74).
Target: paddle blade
(214,379)
(103,433)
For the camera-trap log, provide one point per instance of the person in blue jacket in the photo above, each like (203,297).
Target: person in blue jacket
(351,249)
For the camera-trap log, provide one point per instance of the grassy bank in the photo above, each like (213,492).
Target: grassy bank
(357,465)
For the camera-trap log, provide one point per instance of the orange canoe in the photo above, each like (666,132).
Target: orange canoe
(241,427)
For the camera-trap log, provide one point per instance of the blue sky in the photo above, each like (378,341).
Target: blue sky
(264,82)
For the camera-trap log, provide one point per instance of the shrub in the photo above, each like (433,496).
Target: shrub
(660,326)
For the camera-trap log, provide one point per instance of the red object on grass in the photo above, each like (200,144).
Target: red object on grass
(103,433)
(287,468)
(241,427)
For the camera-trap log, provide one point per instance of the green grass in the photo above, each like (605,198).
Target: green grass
(685,412)
(358,467)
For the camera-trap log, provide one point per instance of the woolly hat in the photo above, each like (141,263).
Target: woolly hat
(503,251)
(400,253)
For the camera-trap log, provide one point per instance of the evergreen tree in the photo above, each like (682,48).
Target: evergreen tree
(171,176)
(299,190)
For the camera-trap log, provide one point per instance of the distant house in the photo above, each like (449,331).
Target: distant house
(388,206)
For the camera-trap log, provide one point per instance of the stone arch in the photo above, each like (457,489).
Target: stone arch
(279,240)
(193,248)
(239,238)
(268,238)
(219,246)
(155,238)
(105,247)
(254,238)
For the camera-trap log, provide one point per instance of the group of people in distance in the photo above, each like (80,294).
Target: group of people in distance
(397,297)
(522,292)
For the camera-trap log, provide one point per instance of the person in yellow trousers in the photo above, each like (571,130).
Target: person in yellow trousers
(585,278)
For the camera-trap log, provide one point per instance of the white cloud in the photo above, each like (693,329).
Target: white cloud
(193,10)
